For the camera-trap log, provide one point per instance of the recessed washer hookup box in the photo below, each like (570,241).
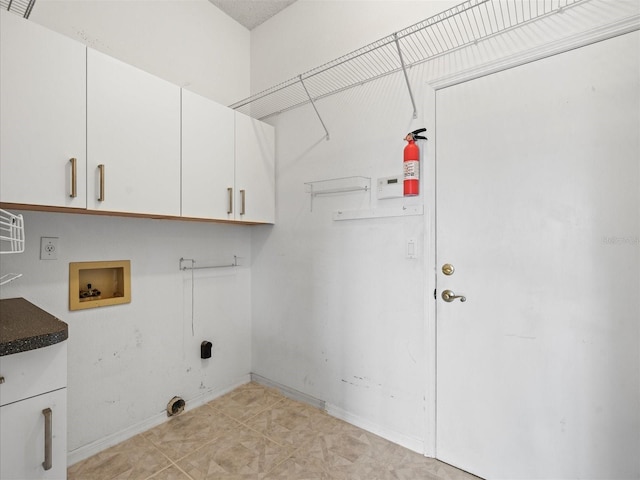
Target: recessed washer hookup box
(99,284)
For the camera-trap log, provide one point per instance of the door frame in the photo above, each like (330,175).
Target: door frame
(429,117)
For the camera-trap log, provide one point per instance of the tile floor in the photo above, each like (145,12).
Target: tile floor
(254,432)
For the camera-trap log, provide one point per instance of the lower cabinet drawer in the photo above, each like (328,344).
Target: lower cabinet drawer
(24,453)
(31,373)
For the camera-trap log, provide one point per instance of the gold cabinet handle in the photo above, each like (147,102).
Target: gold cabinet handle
(101,170)
(48,439)
(74,178)
(242,202)
(230,203)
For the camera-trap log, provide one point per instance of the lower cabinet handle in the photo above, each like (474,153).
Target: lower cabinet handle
(101,170)
(74,178)
(242,200)
(230,203)
(48,439)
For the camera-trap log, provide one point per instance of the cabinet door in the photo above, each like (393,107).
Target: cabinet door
(22,438)
(133,130)
(42,113)
(207,158)
(255,170)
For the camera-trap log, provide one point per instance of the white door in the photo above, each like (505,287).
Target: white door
(255,170)
(208,158)
(42,115)
(538,211)
(133,129)
(22,438)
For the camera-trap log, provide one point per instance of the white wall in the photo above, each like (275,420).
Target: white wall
(126,362)
(188,42)
(339,311)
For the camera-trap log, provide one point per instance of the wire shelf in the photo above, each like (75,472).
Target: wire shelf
(453,29)
(11,232)
(11,239)
(20,7)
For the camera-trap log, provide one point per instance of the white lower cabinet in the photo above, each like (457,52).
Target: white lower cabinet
(25,451)
(33,397)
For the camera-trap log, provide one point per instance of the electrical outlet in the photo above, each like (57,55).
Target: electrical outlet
(412,248)
(48,248)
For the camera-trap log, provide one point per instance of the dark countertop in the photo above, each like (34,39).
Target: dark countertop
(23,327)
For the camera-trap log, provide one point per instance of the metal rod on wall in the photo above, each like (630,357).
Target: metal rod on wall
(313,104)
(406,76)
(193,264)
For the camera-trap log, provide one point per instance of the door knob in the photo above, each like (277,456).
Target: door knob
(448,296)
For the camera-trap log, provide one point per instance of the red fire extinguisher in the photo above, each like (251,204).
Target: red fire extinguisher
(412,163)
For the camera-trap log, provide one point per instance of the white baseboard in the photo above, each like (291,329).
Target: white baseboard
(412,443)
(415,444)
(93,448)
(289,392)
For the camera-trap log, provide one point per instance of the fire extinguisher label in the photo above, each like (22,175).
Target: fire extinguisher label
(412,170)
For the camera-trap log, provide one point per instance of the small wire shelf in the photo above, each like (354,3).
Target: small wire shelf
(11,232)
(11,239)
(337,186)
(20,7)
(446,32)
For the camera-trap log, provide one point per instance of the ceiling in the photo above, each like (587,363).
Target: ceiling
(251,13)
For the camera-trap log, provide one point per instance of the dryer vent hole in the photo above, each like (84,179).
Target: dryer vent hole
(175,406)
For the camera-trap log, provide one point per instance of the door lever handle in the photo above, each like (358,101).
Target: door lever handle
(448,296)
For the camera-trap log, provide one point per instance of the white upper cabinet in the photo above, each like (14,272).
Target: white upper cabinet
(207,158)
(42,115)
(133,139)
(83,130)
(227,163)
(255,170)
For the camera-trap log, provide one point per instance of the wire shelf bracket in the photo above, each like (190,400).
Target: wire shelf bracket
(406,76)
(313,104)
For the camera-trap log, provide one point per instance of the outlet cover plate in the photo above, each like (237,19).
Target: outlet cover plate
(48,248)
